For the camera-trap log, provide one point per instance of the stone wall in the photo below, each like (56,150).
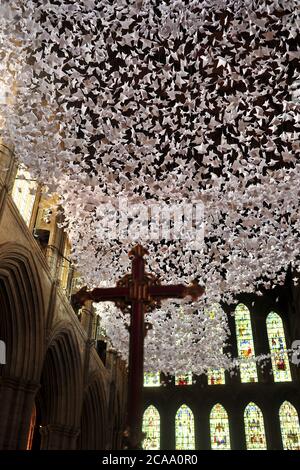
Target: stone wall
(52,369)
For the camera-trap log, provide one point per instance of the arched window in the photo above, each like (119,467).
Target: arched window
(280,361)
(219,428)
(215,376)
(151,379)
(245,343)
(184,379)
(185,429)
(254,428)
(151,427)
(289,425)
(23,194)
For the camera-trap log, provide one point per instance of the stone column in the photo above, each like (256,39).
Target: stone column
(233,379)
(59,437)
(8,168)
(17,401)
(87,318)
(111,367)
(167,428)
(265,374)
(272,426)
(202,428)
(7,174)
(237,429)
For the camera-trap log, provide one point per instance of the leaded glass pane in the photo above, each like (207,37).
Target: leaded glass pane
(245,343)
(216,377)
(184,379)
(151,379)
(254,428)
(280,361)
(289,424)
(184,429)
(151,427)
(219,428)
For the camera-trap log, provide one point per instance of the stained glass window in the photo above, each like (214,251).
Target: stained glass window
(289,424)
(184,379)
(280,361)
(185,429)
(23,194)
(219,428)
(216,377)
(151,427)
(151,379)
(254,428)
(245,343)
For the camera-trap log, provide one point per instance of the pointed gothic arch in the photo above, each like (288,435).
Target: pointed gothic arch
(22,313)
(184,429)
(151,428)
(277,344)
(23,332)
(219,428)
(289,426)
(254,427)
(245,343)
(94,416)
(60,395)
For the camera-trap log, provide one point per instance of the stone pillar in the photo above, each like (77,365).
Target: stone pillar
(202,428)
(265,374)
(7,173)
(8,167)
(17,401)
(167,428)
(272,426)
(112,408)
(87,318)
(237,429)
(233,379)
(59,437)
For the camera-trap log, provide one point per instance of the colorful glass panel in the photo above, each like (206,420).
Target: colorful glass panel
(219,428)
(151,379)
(254,428)
(245,343)
(184,379)
(151,427)
(185,429)
(216,377)
(289,424)
(279,357)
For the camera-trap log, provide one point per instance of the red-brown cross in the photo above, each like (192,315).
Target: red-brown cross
(138,292)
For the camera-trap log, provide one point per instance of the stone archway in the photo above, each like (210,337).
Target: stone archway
(93,434)
(60,395)
(22,330)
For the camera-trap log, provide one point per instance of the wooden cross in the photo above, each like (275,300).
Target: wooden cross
(138,292)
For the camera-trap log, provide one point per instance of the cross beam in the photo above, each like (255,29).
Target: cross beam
(137,293)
